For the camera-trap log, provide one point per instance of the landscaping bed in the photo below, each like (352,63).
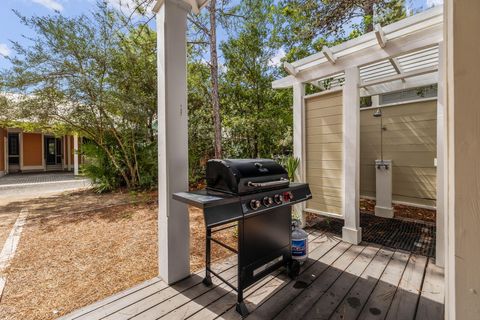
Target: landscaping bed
(81,247)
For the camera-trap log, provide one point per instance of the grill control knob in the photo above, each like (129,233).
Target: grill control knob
(278,198)
(287,196)
(267,201)
(255,204)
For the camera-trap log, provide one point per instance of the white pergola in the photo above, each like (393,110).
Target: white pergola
(402,55)
(391,58)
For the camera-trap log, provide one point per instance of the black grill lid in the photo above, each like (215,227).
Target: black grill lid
(241,176)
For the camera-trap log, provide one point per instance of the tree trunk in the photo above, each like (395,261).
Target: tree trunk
(368,11)
(214,79)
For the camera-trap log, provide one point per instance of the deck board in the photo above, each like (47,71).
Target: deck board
(382,296)
(338,281)
(431,303)
(319,284)
(327,303)
(406,298)
(353,302)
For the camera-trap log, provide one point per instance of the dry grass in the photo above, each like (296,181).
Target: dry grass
(81,247)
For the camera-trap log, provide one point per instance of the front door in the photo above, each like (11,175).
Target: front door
(50,150)
(13,152)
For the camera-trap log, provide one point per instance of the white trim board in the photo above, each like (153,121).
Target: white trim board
(323,213)
(399,103)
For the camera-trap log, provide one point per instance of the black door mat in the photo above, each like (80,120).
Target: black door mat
(415,237)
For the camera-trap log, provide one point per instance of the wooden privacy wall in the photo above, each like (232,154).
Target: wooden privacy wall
(324,152)
(410,141)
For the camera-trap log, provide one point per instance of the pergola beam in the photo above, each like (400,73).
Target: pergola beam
(327,52)
(380,35)
(290,69)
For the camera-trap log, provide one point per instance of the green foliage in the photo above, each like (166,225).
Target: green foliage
(308,25)
(257,119)
(200,120)
(99,169)
(94,75)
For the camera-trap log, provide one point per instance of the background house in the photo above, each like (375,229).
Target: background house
(22,151)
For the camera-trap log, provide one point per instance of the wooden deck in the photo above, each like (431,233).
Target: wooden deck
(339,281)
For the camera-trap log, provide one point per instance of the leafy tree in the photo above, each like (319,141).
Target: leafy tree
(204,34)
(311,24)
(95,78)
(200,120)
(257,119)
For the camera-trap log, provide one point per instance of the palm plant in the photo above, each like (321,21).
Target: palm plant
(290,164)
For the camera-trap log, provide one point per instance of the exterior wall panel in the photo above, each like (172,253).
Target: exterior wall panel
(324,152)
(410,142)
(32,149)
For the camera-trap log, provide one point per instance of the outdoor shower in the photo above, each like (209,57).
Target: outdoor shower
(378,114)
(383,206)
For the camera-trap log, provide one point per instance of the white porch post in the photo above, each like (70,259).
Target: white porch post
(351,231)
(69,149)
(442,190)
(173,219)
(299,139)
(75,155)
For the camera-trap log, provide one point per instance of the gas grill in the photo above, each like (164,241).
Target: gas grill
(256,196)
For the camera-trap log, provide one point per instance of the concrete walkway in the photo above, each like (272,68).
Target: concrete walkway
(17,187)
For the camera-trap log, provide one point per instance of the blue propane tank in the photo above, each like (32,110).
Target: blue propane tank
(299,243)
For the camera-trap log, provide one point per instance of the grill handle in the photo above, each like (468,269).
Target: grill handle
(279,183)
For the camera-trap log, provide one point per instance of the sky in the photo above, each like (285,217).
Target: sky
(12,30)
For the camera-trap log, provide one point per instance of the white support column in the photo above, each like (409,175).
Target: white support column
(43,152)
(442,190)
(299,140)
(75,155)
(5,153)
(20,139)
(351,231)
(173,218)
(69,153)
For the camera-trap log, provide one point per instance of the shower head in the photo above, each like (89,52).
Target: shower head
(377,113)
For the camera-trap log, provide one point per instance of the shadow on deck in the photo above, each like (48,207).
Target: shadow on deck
(339,281)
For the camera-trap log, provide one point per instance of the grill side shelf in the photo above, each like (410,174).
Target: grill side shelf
(201,199)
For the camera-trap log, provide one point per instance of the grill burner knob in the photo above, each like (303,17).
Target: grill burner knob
(255,204)
(278,198)
(267,201)
(287,196)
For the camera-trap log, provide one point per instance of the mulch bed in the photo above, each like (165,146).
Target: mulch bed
(81,247)
(402,211)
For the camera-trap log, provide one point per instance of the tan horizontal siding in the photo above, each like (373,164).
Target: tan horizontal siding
(324,152)
(410,142)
